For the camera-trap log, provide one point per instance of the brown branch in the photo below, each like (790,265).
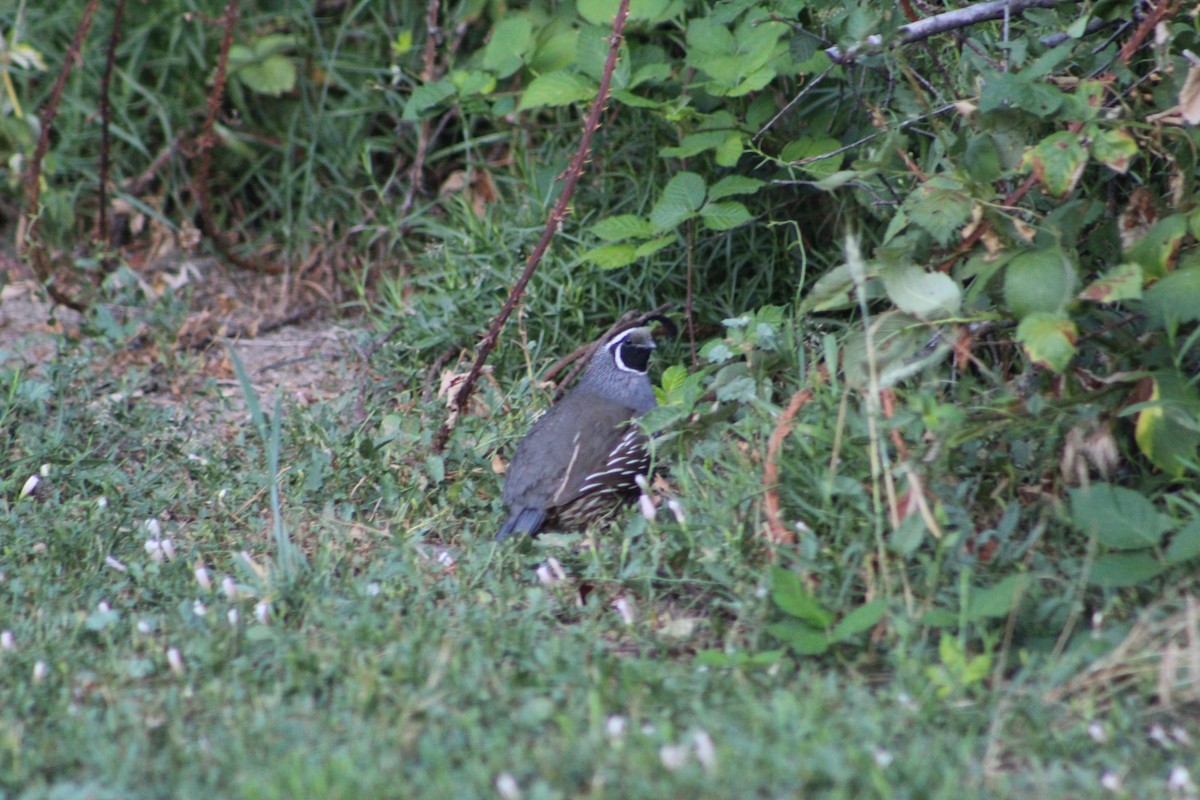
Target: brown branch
(27,226)
(777,532)
(204,144)
(104,235)
(569,179)
(984,226)
(1148,23)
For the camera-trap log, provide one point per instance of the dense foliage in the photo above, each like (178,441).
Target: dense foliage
(966,265)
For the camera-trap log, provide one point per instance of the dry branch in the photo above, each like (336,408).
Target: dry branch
(777,532)
(940,23)
(27,227)
(569,179)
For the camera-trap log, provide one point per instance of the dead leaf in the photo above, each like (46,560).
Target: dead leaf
(1139,216)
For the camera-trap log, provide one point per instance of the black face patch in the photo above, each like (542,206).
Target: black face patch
(633,357)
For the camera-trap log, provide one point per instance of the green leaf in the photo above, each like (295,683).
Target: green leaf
(723,216)
(940,206)
(831,292)
(1038,281)
(426,96)
(694,143)
(435,468)
(1122,282)
(603,12)
(789,594)
(646,249)
(732,185)
(1156,251)
(996,600)
(1185,545)
(622,227)
(1174,300)
(929,295)
(803,639)
(860,619)
(681,198)
(1048,340)
(505,51)
(1057,162)
(730,151)
(1119,518)
(1114,149)
(1166,429)
(556,89)
(1124,569)
(611,256)
(272,75)
(812,155)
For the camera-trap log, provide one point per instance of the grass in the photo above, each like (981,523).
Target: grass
(409,655)
(332,618)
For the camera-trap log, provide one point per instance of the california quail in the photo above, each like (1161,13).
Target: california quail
(582,458)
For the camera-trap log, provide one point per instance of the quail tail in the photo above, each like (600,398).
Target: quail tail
(525,520)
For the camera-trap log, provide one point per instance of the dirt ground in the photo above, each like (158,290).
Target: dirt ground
(300,353)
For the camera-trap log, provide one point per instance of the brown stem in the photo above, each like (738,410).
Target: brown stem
(27,227)
(777,532)
(569,179)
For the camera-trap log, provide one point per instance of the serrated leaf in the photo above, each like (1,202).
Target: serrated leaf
(726,215)
(1122,282)
(813,156)
(730,151)
(860,619)
(1057,162)
(803,639)
(1166,430)
(996,600)
(622,227)
(611,256)
(556,89)
(426,96)
(940,206)
(1124,569)
(1038,281)
(1048,340)
(1174,300)
(693,144)
(646,249)
(1185,545)
(1156,251)
(732,185)
(681,198)
(505,51)
(1119,518)
(929,295)
(789,594)
(1114,149)
(602,12)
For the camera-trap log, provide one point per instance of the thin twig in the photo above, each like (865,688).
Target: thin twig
(569,179)
(104,235)
(416,173)
(777,532)
(1148,24)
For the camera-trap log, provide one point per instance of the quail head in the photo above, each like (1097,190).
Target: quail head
(582,458)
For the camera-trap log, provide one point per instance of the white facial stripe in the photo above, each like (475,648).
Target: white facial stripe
(614,347)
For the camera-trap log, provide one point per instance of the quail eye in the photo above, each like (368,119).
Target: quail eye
(635,356)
